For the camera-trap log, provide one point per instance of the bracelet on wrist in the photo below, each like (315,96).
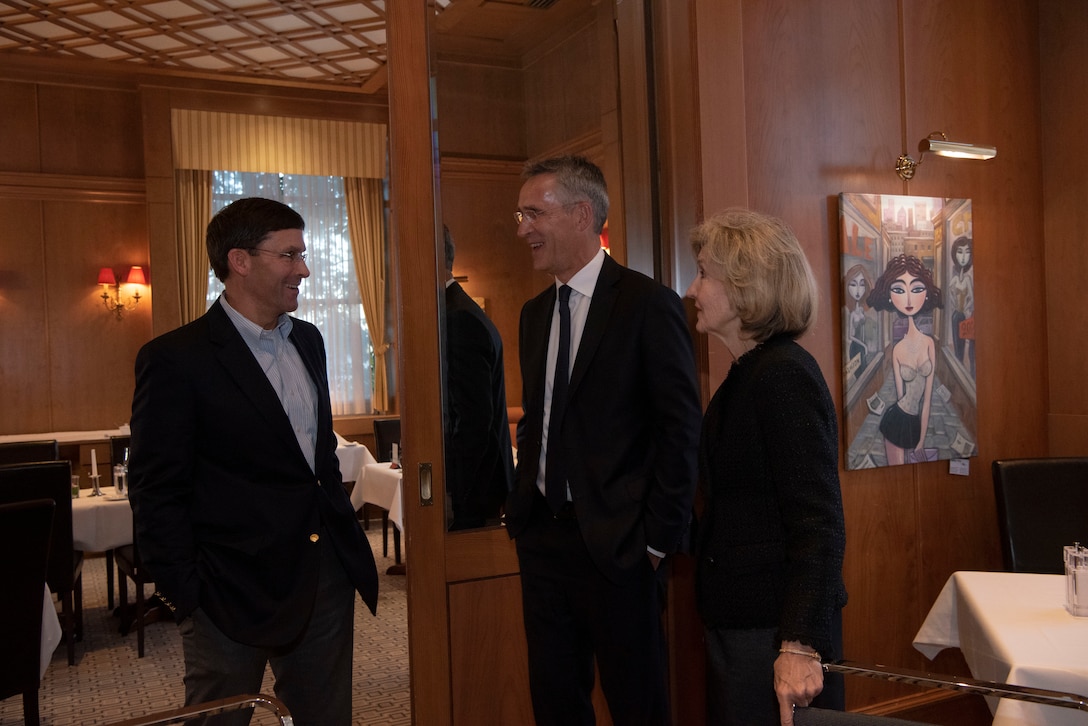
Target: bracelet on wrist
(793,651)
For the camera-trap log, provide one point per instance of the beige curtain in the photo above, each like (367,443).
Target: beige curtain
(193,191)
(366,224)
(277,144)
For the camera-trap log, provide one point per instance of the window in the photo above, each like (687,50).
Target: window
(330,295)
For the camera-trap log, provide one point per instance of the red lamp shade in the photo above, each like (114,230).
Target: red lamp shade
(136,276)
(106,276)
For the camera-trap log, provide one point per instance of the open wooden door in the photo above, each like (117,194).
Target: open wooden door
(466,645)
(466,639)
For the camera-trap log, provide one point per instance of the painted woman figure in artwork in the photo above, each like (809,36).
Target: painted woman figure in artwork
(961,289)
(858,327)
(907,288)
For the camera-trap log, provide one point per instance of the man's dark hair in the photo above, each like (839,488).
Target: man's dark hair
(244,224)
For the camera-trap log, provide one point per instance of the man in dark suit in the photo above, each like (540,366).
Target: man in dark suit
(241,515)
(606,473)
(479,459)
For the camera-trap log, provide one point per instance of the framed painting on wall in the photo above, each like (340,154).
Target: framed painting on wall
(908,344)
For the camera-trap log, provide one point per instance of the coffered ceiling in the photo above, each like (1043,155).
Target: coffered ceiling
(327,42)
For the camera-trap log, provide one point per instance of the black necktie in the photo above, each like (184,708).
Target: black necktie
(555,476)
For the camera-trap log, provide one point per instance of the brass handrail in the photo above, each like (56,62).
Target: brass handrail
(1044,696)
(223,705)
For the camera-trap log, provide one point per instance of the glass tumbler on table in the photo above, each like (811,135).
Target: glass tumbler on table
(1076,579)
(119,480)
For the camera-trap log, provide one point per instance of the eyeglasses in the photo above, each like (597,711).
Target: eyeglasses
(293,256)
(531,215)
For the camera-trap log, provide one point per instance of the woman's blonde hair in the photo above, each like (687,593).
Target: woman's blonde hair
(766,274)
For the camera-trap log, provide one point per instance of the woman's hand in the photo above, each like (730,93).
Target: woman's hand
(797,679)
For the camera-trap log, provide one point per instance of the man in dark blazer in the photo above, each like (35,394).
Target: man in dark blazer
(590,541)
(241,515)
(479,457)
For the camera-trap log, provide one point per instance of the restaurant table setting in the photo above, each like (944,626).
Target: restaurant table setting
(380,484)
(1014,628)
(101,523)
(352,456)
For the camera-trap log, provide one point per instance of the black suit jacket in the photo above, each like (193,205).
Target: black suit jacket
(631,428)
(226,506)
(479,459)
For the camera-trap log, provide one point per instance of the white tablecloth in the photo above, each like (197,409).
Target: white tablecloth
(104,523)
(51,632)
(381,485)
(101,523)
(353,456)
(1013,628)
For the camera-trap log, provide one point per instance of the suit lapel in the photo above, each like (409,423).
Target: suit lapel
(600,312)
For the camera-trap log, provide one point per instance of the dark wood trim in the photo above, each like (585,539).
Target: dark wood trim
(71,188)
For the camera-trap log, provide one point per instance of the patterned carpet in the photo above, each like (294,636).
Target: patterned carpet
(109,683)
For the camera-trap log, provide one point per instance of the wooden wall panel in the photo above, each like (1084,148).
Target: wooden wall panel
(822,118)
(562,93)
(481,111)
(1064,73)
(483,621)
(92,371)
(984,87)
(24,333)
(91,131)
(19,148)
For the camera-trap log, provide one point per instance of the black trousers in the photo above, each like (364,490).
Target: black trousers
(740,677)
(575,618)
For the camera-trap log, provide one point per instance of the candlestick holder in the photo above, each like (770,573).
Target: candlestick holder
(95,490)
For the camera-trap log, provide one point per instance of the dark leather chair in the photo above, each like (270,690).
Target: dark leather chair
(24,539)
(1042,505)
(22,452)
(129,567)
(53,480)
(387,433)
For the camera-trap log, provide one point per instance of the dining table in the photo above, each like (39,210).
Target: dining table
(380,484)
(102,523)
(1013,627)
(352,456)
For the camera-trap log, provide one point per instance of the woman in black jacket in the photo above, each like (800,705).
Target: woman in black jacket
(771,538)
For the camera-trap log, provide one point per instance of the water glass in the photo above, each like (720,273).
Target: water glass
(120,485)
(1076,579)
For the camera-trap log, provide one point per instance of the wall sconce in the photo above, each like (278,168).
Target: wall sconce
(941,146)
(113,301)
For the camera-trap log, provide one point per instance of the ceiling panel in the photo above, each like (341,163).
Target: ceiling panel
(331,42)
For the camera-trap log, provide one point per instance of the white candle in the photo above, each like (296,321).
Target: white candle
(94,463)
